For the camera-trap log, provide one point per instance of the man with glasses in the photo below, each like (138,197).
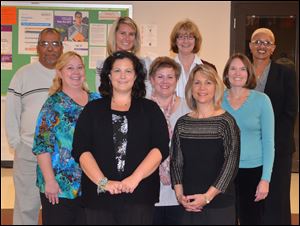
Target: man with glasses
(78,32)
(26,94)
(279,83)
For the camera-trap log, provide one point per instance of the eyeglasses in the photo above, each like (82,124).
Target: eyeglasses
(46,44)
(187,37)
(261,42)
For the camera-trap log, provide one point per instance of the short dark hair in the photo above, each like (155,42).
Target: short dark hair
(138,89)
(49,30)
(251,80)
(78,13)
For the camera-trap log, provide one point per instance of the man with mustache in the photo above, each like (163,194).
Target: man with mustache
(26,94)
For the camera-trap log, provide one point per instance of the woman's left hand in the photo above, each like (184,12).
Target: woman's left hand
(262,190)
(195,203)
(129,184)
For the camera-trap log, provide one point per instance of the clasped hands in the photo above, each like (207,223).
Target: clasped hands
(192,203)
(127,185)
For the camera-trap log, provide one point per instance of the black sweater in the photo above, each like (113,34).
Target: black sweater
(147,129)
(204,153)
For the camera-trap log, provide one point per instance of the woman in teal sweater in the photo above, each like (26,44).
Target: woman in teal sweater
(254,115)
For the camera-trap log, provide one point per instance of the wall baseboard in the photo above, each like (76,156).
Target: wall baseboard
(7,164)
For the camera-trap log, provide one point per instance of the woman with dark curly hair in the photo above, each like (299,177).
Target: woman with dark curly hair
(119,142)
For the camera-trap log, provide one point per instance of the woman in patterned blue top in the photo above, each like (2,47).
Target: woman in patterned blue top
(58,175)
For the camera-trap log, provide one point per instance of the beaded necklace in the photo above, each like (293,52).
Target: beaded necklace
(167,110)
(164,168)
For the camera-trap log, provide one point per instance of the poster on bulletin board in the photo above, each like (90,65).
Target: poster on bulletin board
(21,24)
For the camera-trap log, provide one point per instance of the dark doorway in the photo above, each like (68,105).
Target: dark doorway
(282,17)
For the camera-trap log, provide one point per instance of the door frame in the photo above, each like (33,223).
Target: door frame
(239,11)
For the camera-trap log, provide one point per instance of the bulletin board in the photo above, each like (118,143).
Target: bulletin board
(22,22)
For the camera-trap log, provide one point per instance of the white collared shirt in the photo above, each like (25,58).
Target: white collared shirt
(180,88)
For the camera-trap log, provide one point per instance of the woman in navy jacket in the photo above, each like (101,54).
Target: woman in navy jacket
(279,83)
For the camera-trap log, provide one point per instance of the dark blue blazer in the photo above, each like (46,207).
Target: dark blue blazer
(281,87)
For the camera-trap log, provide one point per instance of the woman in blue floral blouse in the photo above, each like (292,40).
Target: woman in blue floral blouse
(58,175)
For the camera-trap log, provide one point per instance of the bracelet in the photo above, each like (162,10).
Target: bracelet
(101,185)
(207,201)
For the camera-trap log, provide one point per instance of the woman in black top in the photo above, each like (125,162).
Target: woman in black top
(119,142)
(205,153)
(280,84)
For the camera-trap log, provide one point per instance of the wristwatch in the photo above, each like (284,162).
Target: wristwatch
(101,185)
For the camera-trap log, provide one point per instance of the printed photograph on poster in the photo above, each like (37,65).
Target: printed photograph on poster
(79,30)
(73,25)
(74,28)
(63,20)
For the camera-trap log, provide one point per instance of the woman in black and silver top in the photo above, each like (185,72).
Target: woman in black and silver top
(119,143)
(205,153)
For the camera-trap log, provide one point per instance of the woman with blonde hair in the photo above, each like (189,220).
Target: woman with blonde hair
(124,28)
(58,175)
(57,85)
(124,35)
(204,154)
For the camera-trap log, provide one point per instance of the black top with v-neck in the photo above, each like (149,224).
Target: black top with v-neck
(147,129)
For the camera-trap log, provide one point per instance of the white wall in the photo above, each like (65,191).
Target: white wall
(212,18)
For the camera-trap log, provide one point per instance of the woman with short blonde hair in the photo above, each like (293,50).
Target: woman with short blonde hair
(204,155)
(211,75)
(61,63)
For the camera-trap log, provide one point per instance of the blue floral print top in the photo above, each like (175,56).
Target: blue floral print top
(54,134)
